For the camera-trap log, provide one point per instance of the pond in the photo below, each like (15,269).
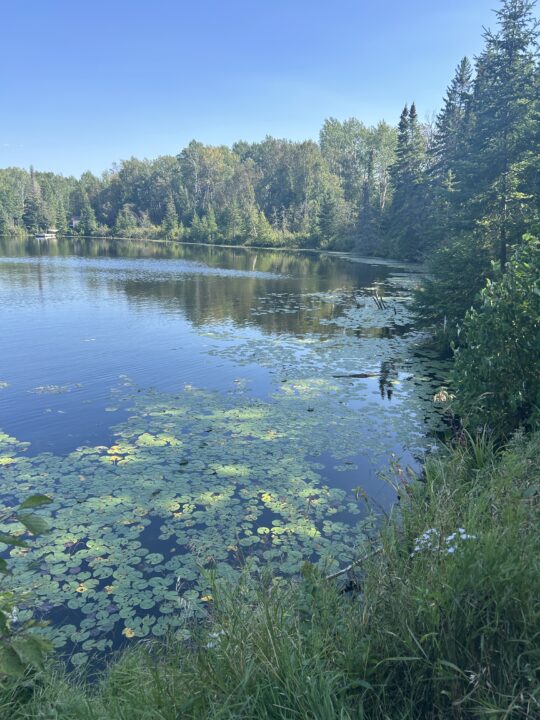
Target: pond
(196,411)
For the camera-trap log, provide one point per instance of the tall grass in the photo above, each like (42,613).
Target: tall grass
(445,622)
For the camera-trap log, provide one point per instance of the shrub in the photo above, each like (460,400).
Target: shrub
(496,372)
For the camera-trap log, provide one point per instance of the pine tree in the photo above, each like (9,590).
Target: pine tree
(60,218)
(126,221)
(405,227)
(233,228)
(326,219)
(88,223)
(504,106)
(196,231)
(264,233)
(446,155)
(211,226)
(5,225)
(33,216)
(170,220)
(447,146)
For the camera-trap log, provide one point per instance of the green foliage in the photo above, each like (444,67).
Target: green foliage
(405,221)
(33,215)
(503,129)
(126,221)
(457,272)
(20,649)
(270,193)
(446,624)
(170,221)
(496,371)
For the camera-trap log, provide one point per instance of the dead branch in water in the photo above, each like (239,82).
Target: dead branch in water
(354,563)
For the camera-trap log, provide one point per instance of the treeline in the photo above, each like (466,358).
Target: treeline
(467,185)
(275,192)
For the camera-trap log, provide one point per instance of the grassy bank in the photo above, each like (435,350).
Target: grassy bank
(443,623)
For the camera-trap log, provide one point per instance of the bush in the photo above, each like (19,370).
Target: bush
(457,273)
(496,372)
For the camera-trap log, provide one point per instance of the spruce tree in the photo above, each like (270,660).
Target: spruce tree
(326,219)
(5,225)
(446,155)
(170,220)
(88,223)
(447,144)
(126,221)
(232,223)
(211,226)
(504,107)
(405,227)
(33,216)
(60,218)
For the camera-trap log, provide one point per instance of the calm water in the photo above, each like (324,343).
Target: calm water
(191,407)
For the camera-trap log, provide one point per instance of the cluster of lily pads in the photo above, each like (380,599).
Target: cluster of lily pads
(193,481)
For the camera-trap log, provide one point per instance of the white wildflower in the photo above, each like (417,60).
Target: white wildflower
(429,540)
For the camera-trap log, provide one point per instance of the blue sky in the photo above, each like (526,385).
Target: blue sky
(85,83)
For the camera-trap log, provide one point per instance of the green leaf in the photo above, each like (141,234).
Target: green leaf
(10,662)
(79,659)
(31,649)
(12,540)
(35,501)
(36,524)
(4,569)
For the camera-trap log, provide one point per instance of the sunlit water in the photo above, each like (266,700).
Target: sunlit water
(193,408)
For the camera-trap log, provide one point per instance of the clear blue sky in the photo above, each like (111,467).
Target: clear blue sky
(85,83)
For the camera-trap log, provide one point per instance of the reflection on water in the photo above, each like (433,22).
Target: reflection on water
(192,406)
(81,312)
(272,290)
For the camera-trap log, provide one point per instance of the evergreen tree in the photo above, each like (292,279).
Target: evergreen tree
(60,216)
(4,222)
(33,216)
(326,226)
(505,113)
(211,226)
(170,220)
(406,216)
(264,233)
(232,224)
(88,224)
(196,231)
(447,143)
(446,154)
(126,221)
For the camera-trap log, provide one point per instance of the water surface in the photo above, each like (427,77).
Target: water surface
(193,409)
